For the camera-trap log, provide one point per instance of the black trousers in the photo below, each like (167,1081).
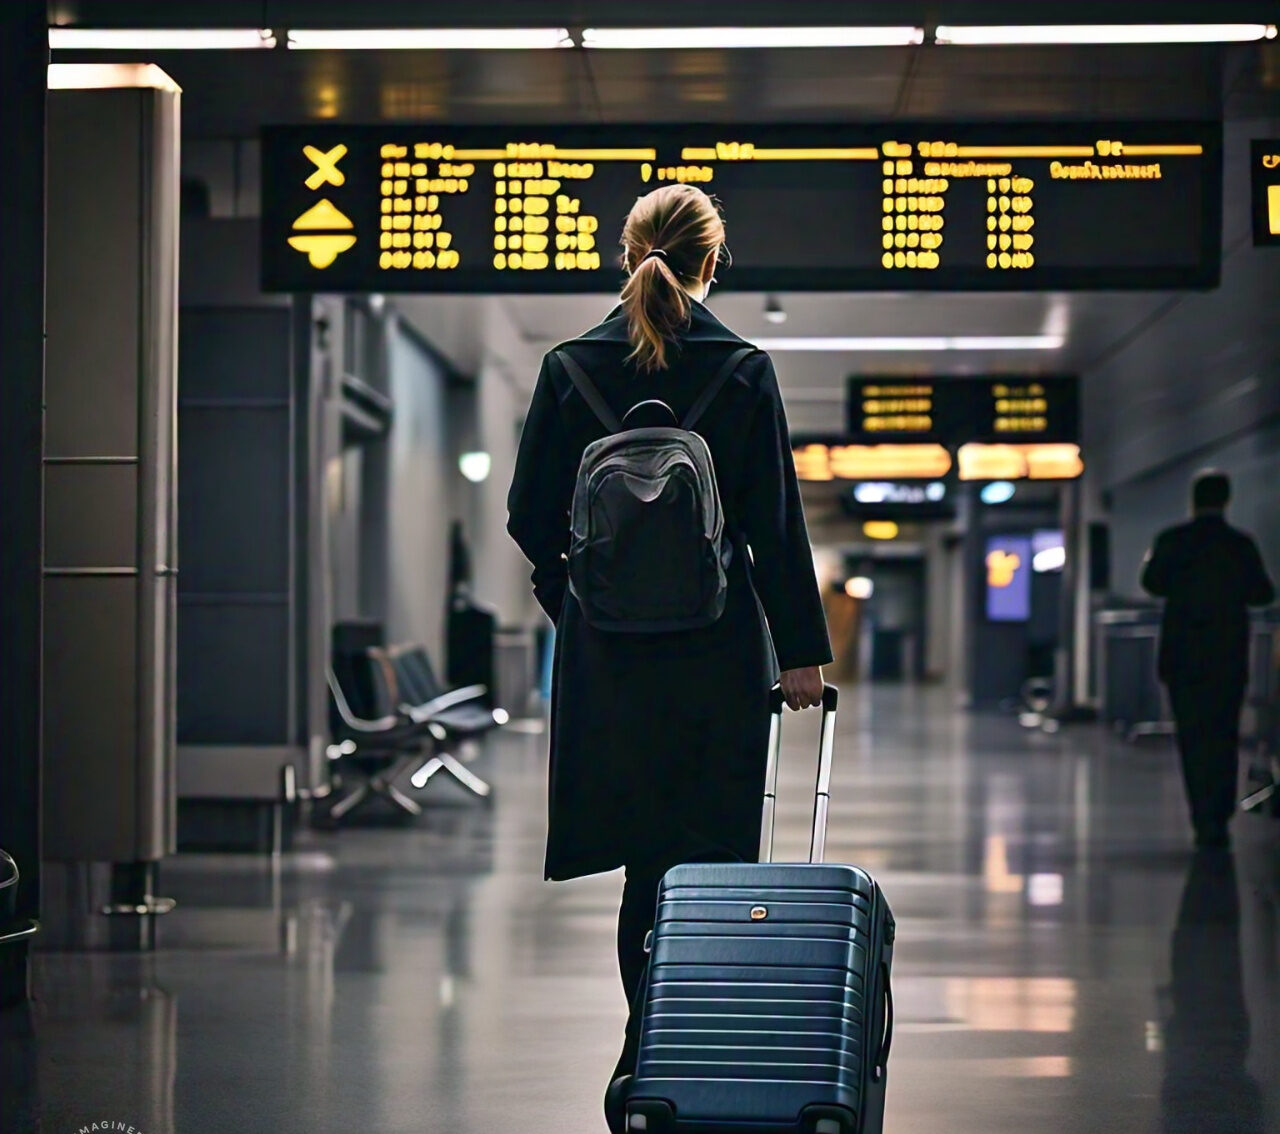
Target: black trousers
(1208,720)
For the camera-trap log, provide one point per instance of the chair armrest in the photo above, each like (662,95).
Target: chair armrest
(428,709)
(372,728)
(353,722)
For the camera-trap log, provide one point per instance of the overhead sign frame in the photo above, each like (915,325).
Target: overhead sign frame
(1264,178)
(810,207)
(992,408)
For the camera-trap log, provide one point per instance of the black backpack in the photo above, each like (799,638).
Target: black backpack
(648,549)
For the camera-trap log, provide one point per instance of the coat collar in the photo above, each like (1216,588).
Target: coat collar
(703,327)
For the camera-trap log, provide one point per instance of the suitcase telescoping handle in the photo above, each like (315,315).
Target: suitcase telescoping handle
(822,792)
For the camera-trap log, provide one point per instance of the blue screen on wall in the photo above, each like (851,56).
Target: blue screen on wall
(1008,572)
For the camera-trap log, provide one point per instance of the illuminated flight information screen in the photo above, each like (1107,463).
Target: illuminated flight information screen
(956,411)
(823,207)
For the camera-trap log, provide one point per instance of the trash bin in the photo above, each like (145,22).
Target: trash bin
(8,888)
(1132,699)
(14,932)
(517,669)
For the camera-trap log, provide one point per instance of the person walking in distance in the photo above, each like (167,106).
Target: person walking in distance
(659,738)
(1209,574)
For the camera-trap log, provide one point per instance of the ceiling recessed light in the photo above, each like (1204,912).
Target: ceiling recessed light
(773,310)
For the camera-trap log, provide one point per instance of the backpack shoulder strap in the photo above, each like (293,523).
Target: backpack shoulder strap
(590,394)
(713,387)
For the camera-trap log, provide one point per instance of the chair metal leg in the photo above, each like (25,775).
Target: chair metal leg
(1151,728)
(349,802)
(422,775)
(382,784)
(464,775)
(447,762)
(401,800)
(1256,799)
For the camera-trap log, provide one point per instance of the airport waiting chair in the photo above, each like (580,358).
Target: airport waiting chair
(404,684)
(466,711)
(382,747)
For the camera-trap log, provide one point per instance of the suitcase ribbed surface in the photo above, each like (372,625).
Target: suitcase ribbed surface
(755,1017)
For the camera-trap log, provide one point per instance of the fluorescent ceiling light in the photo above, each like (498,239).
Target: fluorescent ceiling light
(666,39)
(912,343)
(428,39)
(159,39)
(1104,33)
(108,76)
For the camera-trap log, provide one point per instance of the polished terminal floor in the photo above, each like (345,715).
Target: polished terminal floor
(1064,961)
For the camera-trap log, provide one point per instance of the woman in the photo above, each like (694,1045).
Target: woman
(658,740)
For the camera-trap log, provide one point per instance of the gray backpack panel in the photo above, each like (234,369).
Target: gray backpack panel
(648,550)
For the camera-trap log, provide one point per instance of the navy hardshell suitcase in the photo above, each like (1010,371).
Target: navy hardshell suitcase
(767,1005)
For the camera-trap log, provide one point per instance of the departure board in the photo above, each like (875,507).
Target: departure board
(820,207)
(957,411)
(891,410)
(1021,409)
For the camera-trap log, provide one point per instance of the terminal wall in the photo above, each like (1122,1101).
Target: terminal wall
(1197,384)
(419,475)
(1140,507)
(481,336)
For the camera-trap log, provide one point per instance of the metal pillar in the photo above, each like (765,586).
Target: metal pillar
(110,476)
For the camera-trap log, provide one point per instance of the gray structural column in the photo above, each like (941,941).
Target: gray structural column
(110,503)
(24,49)
(1068,697)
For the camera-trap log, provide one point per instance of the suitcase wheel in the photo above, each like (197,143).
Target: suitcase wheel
(615,1104)
(828,1120)
(650,1116)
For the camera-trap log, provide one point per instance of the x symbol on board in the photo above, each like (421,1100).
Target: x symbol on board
(326,171)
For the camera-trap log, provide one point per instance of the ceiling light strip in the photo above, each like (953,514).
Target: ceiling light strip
(671,39)
(908,343)
(987,35)
(428,39)
(160,39)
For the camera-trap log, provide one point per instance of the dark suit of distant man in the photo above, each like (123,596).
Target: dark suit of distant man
(1209,574)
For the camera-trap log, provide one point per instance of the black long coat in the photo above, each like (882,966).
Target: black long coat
(658,740)
(1209,573)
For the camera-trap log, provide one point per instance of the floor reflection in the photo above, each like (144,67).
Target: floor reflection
(106,1033)
(1206,1088)
(425,980)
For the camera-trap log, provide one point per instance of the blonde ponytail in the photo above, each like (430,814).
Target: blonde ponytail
(657,307)
(667,239)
